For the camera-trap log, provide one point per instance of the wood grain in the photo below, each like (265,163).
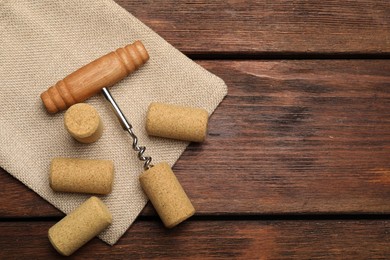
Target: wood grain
(355,239)
(269,27)
(94,76)
(291,137)
(306,140)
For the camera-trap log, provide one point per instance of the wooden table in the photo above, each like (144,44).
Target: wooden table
(297,160)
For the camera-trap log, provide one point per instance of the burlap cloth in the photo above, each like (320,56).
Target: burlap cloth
(43,41)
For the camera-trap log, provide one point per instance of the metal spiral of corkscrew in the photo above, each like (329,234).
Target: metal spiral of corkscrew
(127,126)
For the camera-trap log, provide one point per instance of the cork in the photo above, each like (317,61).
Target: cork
(83,123)
(80,226)
(177,122)
(81,175)
(166,194)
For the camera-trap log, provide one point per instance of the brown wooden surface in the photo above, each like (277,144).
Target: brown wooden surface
(296,164)
(264,27)
(270,239)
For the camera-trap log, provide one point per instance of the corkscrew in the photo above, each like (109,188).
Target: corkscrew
(157,181)
(129,128)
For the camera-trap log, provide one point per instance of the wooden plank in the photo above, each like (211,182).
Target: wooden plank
(357,239)
(261,27)
(19,201)
(295,136)
(290,137)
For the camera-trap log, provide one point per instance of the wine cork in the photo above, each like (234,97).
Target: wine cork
(83,123)
(166,194)
(177,122)
(80,226)
(81,175)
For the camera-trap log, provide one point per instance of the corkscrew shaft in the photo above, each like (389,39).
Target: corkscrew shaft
(129,128)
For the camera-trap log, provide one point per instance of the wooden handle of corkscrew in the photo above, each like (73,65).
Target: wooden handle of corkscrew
(90,79)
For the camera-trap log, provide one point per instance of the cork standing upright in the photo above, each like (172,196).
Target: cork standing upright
(83,123)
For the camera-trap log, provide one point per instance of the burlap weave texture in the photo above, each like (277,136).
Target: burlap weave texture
(43,41)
